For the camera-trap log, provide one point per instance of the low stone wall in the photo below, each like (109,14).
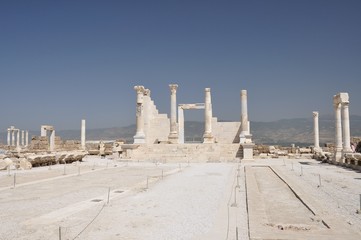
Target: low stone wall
(41,143)
(352,160)
(182,152)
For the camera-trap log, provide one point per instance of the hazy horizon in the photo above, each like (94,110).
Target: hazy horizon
(64,61)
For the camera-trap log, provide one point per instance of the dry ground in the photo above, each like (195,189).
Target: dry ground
(106,199)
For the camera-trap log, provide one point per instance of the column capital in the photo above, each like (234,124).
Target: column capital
(146,92)
(344,98)
(243,92)
(345,104)
(207,89)
(139,89)
(315,114)
(173,88)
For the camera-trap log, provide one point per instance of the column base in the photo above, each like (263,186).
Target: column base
(337,158)
(139,138)
(247,151)
(173,138)
(245,138)
(344,151)
(208,138)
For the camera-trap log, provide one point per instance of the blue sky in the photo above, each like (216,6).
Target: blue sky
(61,61)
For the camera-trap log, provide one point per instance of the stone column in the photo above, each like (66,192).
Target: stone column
(83,134)
(245,136)
(139,135)
(22,137)
(338,129)
(8,139)
(26,138)
(345,123)
(180,125)
(147,114)
(207,136)
(316,144)
(52,140)
(12,138)
(173,135)
(43,131)
(18,138)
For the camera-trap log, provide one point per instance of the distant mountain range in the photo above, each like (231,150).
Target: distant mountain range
(282,132)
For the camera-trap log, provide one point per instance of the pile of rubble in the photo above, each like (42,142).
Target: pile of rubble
(29,160)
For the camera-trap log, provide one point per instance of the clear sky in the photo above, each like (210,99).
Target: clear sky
(61,61)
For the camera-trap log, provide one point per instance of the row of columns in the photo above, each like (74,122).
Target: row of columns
(342,127)
(173,133)
(24,135)
(245,136)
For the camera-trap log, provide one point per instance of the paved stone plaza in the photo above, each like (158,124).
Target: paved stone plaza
(106,199)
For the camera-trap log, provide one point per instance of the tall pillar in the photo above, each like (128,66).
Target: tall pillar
(338,129)
(316,147)
(52,140)
(245,136)
(43,131)
(139,135)
(8,139)
(26,138)
(147,112)
(173,135)
(22,137)
(12,137)
(82,140)
(18,138)
(180,125)
(345,123)
(207,136)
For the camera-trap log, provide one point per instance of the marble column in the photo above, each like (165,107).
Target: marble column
(338,129)
(345,123)
(147,113)
(180,125)
(316,146)
(26,138)
(173,135)
(12,138)
(52,140)
(8,139)
(22,137)
(245,136)
(207,136)
(83,134)
(139,135)
(18,138)
(43,131)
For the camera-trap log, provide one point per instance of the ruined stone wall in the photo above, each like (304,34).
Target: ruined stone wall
(156,125)
(226,132)
(41,143)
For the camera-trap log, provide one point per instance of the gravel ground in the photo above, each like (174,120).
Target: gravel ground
(200,201)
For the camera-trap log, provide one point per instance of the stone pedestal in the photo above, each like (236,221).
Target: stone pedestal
(247,151)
